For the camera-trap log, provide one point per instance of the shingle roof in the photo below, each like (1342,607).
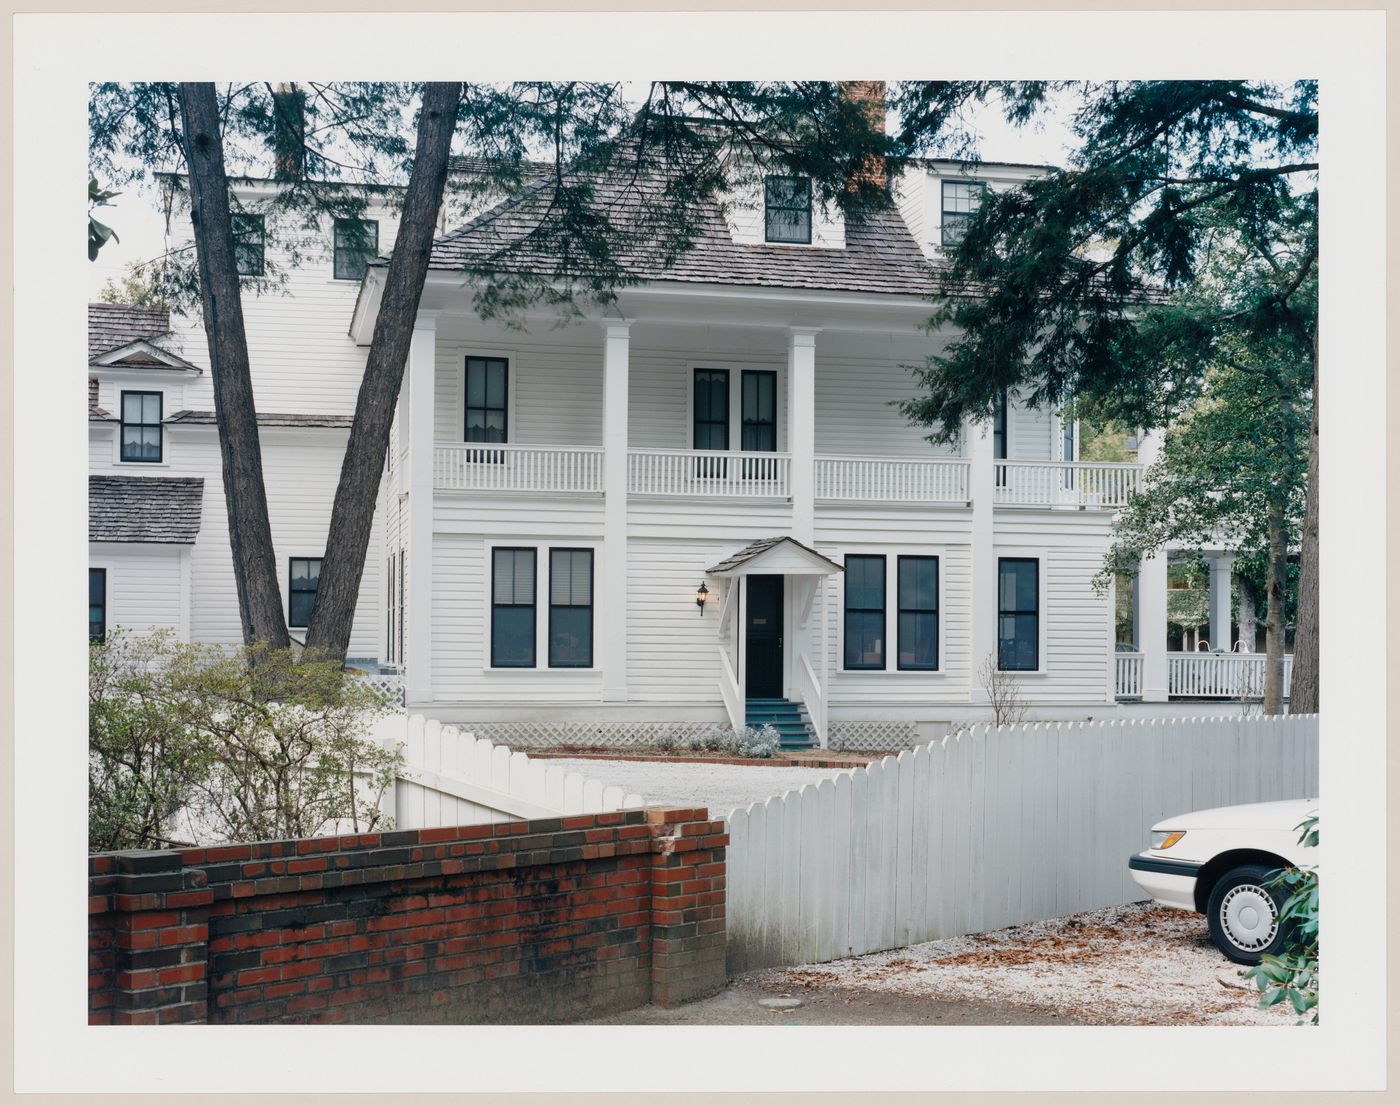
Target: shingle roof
(158,510)
(96,413)
(206,418)
(757,548)
(880,254)
(113,325)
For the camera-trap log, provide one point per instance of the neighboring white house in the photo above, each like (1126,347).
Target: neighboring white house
(701,507)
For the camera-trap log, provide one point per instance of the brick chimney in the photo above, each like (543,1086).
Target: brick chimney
(288,131)
(870,95)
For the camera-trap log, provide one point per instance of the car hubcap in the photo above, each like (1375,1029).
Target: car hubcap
(1249,918)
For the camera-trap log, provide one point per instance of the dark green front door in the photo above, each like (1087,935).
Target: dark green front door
(764,646)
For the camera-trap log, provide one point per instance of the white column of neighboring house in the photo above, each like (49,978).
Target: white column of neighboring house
(422,367)
(1152,599)
(1221,567)
(981,490)
(612,603)
(802,430)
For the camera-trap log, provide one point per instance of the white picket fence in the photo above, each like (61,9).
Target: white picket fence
(990,827)
(451,777)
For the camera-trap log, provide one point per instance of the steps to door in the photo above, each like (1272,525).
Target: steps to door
(788,718)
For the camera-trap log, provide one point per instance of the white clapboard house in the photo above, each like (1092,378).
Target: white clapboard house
(700,507)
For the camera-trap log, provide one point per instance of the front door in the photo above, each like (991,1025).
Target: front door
(764,644)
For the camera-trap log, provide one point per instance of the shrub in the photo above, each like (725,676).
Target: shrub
(243,745)
(1292,974)
(747,742)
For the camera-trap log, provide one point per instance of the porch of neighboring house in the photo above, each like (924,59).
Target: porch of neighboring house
(1223,666)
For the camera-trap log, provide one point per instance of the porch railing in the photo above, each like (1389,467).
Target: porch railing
(1221,674)
(736,475)
(1127,676)
(1089,484)
(892,479)
(474,466)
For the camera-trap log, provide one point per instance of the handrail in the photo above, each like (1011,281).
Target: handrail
(729,691)
(892,479)
(711,472)
(815,701)
(1056,483)
(482,466)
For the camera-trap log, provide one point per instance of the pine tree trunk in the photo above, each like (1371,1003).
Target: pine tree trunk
(240,452)
(1304,697)
(1276,581)
(1249,613)
(353,514)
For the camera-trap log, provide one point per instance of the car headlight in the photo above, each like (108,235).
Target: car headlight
(1164,840)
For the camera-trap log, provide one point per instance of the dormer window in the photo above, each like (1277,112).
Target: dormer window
(787,209)
(141,416)
(961,199)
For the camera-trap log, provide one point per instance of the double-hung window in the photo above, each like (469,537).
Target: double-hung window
(249,235)
(97,604)
(301,592)
(141,415)
(488,386)
(758,422)
(961,199)
(710,419)
(513,608)
(570,608)
(356,243)
(918,613)
(787,209)
(1018,614)
(865,613)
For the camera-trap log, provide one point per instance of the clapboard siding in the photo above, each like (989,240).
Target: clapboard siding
(950,837)
(145,588)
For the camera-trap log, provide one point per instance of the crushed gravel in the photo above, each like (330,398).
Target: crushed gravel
(1137,964)
(719,787)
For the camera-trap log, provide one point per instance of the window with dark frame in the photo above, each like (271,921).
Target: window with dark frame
(864,629)
(355,244)
(1018,614)
(488,399)
(918,613)
(999,438)
(389,596)
(402,561)
(97,604)
(249,238)
(759,411)
(710,419)
(305,572)
(570,608)
(140,426)
(961,199)
(787,210)
(512,608)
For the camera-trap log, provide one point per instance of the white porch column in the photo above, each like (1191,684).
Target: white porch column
(422,367)
(1152,600)
(612,603)
(981,488)
(1221,568)
(802,430)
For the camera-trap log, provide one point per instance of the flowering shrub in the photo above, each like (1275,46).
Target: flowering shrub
(748,742)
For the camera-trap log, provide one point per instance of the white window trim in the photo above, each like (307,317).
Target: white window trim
(892,668)
(541,666)
(510,356)
(1042,607)
(165,412)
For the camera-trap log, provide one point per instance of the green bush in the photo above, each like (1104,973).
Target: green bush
(1292,974)
(191,744)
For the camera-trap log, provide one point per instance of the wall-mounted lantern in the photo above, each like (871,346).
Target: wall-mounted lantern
(701,596)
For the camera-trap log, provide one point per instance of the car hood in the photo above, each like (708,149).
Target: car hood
(1255,815)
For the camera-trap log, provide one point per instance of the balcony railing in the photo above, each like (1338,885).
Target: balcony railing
(892,479)
(1089,484)
(476,466)
(709,472)
(1221,674)
(1127,681)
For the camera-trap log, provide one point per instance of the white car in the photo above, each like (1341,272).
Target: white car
(1217,861)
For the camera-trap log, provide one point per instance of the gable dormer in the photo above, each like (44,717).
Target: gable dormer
(142,356)
(780,210)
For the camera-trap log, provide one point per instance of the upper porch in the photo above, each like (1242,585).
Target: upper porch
(743,410)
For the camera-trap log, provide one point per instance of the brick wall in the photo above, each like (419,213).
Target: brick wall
(525,922)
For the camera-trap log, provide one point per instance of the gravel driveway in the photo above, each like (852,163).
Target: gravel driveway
(720,787)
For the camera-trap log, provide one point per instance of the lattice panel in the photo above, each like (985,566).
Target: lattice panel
(581,734)
(871,736)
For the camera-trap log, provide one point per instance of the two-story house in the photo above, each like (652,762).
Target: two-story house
(700,506)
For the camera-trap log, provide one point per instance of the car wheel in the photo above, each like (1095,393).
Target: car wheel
(1243,914)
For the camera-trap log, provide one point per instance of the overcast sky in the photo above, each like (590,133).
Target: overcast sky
(140,224)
